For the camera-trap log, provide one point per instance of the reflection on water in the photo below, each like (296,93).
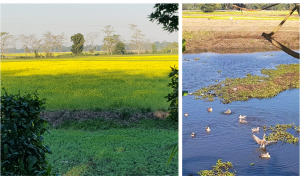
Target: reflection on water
(228,139)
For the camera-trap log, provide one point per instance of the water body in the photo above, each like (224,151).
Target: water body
(229,140)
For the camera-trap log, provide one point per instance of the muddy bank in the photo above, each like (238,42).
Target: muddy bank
(56,118)
(237,36)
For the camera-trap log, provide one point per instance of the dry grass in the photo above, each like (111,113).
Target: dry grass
(236,36)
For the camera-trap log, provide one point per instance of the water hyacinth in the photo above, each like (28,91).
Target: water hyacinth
(241,89)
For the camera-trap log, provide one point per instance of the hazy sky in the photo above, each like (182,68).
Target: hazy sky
(81,18)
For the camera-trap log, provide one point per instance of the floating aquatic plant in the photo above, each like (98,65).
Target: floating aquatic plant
(221,169)
(279,133)
(253,86)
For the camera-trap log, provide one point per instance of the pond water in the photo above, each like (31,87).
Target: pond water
(228,139)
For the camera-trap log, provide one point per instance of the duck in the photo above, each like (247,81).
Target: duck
(193,134)
(242,121)
(209,109)
(242,117)
(255,129)
(265,155)
(207,129)
(228,111)
(262,142)
(186,114)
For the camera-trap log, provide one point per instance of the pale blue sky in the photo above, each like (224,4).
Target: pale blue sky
(81,18)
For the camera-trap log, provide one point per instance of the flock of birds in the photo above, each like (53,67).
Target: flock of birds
(242,119)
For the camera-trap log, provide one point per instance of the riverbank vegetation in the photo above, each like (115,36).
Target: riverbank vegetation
(242,89)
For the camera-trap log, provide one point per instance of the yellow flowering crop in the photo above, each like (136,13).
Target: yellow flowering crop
(147,65)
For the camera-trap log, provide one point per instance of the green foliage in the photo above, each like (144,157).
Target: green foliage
(173,96)
(113,152)
(207,7)
(218,170)
(279,133)
(119,48)
(241,89)
(22,149)
(166,14)
(183,45)
(78,42)
(154,48)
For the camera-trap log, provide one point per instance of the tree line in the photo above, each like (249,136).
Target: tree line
(112,43)
(228,6)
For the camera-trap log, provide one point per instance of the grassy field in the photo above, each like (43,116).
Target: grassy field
(92,82)
(236,32)
(114,144)
(89,148)
(238,15)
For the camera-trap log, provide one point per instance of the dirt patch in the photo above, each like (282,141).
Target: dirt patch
(237,36)
(56,118)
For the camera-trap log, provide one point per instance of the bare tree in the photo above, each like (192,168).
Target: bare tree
(58,41)
(13,43)
(35,44)
(90,38)
(49,42)
(25,43)
(4,42)
(110,40)
(137,37)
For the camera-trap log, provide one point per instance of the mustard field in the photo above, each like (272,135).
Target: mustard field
(98,82)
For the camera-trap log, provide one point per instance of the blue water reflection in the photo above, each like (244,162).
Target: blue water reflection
(229,140)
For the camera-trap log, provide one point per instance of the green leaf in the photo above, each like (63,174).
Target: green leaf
(41,138)
(185,93)
(5,148)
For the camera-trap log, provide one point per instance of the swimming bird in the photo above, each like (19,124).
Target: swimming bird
(207,129)
(186,114)
(262,142)
(228,111)
(242,117)
(193,134)
(209,109)
(242,121)
(255,129)
(265,155)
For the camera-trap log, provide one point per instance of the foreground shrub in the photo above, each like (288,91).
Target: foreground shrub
(173,96)
(22,149)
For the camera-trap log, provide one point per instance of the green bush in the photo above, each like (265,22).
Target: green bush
(22,149)
(173,96)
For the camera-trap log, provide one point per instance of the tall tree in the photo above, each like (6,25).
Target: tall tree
(59,41)
(119,48)
(25,40)
(49,43)
(154,48)
(137,37)
(35,44)
(110,40)
(172,46)
(13,43)
(78,42)
(4,42)
(166,14)
(90,38)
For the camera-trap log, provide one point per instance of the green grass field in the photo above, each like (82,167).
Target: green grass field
(135,150)
(92,82)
